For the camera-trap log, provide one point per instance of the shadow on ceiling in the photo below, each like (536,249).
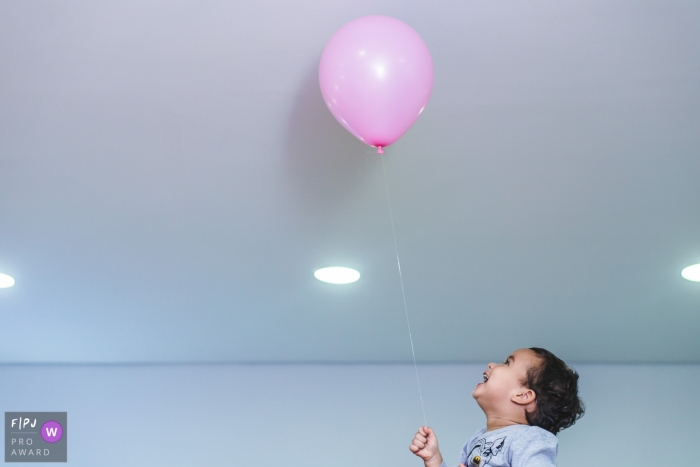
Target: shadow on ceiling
(325,165)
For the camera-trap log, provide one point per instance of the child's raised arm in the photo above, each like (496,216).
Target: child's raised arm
(425,446)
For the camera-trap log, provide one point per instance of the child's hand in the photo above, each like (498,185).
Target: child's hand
(425,446)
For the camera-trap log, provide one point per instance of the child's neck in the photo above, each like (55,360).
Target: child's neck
(496,422)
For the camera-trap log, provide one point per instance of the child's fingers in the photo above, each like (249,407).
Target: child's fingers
(418,443)
(420,440)
(415,448)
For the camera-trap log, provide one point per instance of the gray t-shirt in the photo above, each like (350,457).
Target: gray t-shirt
(512,446)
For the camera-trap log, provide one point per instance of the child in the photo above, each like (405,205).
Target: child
(527,399)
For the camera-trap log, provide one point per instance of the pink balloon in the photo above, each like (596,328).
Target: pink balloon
(376,76)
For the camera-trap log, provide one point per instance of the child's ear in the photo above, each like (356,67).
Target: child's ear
(524,396)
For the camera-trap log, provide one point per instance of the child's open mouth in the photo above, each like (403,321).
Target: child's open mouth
(486,378)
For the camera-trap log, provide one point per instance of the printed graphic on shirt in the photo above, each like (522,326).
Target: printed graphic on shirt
(483,451)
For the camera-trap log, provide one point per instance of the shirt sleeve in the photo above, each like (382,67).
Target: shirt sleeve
(535,448)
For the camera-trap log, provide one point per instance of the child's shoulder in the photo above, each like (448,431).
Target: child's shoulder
(529,432)
(535,439)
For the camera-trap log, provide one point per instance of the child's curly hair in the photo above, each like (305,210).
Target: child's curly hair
(556,386)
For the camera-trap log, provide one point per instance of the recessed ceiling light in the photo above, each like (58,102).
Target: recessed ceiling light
(337,275)
(692,273)
(6,281)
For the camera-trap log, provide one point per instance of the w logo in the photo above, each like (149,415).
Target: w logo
(51,431)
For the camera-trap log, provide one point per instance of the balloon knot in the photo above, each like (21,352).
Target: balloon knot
(380,150)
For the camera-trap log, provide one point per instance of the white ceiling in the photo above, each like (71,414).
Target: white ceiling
(170,179)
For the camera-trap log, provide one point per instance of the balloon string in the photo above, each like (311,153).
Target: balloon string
(403,293)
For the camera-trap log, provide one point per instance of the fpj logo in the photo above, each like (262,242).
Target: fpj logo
(36,437)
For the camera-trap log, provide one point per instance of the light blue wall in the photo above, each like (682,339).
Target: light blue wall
(340,415)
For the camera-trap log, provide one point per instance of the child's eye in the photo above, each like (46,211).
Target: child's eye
(506,362)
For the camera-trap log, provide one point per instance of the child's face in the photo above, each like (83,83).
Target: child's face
(503,381)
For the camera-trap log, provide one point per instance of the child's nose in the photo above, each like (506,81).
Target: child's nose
(491,365)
